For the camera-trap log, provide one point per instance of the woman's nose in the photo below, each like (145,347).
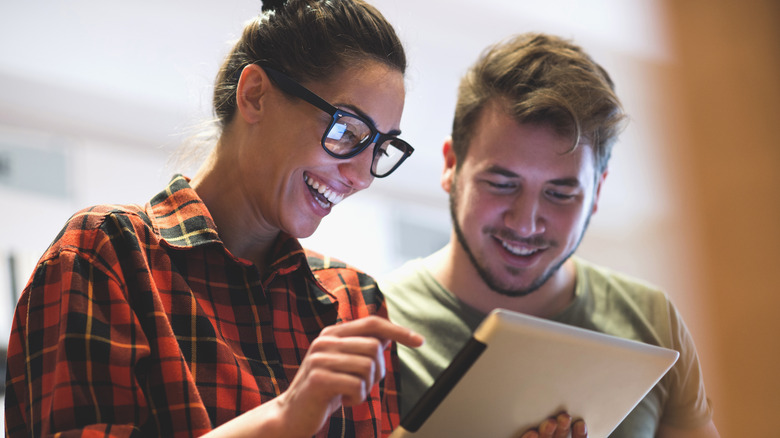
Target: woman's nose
(357,170)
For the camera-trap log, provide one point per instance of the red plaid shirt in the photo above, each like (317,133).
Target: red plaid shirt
(138,321)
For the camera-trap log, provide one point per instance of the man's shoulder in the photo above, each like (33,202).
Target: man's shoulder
(624,305)
(407,283)
(602,279)
(408,272)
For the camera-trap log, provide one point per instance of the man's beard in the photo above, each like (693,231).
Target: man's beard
(491,280)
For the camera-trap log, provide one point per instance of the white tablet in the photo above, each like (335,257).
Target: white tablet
(517,370)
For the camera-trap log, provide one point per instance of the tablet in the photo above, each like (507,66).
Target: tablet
(517,370)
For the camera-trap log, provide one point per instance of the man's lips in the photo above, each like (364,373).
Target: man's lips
(519,249)
(520,246)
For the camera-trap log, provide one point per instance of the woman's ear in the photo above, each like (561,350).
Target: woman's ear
(252,86)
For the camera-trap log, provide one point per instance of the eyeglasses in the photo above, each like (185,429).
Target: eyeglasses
(349,134)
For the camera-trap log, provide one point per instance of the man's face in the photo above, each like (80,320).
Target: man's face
(521,201)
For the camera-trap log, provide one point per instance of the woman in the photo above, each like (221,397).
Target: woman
(200,312)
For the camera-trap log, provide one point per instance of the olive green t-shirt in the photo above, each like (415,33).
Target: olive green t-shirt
(605,301)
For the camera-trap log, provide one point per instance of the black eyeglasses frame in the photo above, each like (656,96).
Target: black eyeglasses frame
(292,87)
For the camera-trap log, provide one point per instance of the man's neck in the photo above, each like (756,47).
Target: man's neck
(457,274)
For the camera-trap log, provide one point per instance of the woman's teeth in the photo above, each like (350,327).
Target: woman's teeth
(332,197)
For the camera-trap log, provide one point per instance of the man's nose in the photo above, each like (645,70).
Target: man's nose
(524,216)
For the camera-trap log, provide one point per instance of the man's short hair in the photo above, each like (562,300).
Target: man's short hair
(545,79)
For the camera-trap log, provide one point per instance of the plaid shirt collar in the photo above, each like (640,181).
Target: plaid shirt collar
(183,222)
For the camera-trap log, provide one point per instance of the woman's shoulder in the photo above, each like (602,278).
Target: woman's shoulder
(326,267)
(108,218)
(339,278)
(87,228)
(318,261)
(95,216)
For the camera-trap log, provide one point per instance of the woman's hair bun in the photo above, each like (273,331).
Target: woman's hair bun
(272,5)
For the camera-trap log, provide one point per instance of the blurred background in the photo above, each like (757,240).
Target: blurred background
(96,97)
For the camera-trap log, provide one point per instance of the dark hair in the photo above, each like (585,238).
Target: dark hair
(308,40)
(541,79)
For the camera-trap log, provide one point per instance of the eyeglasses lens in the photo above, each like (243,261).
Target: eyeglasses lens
(346,135)
(388,155)
(349,135)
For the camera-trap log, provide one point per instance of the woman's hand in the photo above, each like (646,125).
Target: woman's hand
(340,368)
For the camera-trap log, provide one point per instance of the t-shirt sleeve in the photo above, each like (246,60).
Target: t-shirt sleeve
(688,405)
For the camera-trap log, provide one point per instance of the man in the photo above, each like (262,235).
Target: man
(534,125)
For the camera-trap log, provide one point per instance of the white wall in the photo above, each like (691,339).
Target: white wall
(114,87)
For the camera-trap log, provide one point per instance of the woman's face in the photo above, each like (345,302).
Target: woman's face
(288,179)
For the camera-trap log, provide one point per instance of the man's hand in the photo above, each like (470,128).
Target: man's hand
(559,427)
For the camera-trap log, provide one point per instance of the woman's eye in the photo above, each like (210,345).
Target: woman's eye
(349,137)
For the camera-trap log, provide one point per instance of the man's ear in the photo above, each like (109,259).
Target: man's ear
(252,86)
(597,192)
(450,162)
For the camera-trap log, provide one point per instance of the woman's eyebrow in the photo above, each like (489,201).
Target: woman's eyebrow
(365,116)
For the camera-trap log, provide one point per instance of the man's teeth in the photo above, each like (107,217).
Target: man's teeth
(330,195)
(516,250)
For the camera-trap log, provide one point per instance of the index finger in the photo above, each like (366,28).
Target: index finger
(376,327)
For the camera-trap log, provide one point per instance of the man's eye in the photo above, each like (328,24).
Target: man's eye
(501,185)
(559,196)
